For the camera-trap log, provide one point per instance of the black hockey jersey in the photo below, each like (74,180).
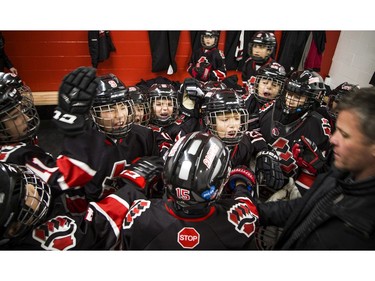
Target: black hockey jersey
(90,159)
(249,71)
(312,125)
(214,62)
(127,220)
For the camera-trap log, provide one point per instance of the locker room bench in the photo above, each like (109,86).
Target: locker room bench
(45,98)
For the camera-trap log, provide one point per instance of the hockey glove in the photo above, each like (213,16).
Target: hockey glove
(307,155)
(193,89)
(268,170)
(202,71)
(243,174)
(76,95)
(144,172)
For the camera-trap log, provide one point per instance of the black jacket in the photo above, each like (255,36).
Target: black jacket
(4,60)
(100,46)
(336,213)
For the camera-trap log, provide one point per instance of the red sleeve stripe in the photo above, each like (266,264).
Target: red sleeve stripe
(74,173)
(305,181)
(114,209)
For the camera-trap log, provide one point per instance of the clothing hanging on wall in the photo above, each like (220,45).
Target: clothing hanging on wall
(293,46)
(100,46)
(236,48)
(163,50)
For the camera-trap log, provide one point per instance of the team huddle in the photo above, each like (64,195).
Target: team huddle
(204,165)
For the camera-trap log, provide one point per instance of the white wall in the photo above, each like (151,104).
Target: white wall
(354,59)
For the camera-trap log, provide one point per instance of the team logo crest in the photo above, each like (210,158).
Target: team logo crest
(243,216)
(56,234)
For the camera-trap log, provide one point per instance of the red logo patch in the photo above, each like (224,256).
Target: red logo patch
(188,238)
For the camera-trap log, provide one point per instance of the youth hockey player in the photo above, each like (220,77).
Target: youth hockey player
(208,63)
(190,216)
(141,102)
(268,85)
(225,116)
(260,49)
(94,152)
(296,131)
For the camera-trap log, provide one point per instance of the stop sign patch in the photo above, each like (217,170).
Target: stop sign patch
(188,238)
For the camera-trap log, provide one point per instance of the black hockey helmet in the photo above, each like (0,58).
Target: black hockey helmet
(112,94)
(24,200)
(161,92)
(19,119)
(337,94)
(305,83)
(210,33)
(262,38)
(10,79)
(195,171)
(214,85)
(224,102)
(273,72)
(140,100)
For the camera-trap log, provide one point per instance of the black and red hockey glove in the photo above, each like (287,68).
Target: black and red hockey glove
(76,95)
(202,71)
(144,172)
(268,170)
(307,155)
(242,175)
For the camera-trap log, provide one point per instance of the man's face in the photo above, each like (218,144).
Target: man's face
(352,150)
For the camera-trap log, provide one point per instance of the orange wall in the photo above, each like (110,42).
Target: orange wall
(44,57)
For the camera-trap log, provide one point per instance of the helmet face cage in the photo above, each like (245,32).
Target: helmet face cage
(115,120)
(28,201)
(19,119)
(261,38)
(236,120)
(213,34)
(164,104)
(226,116)
(142,109)
(196,170)
(270,80)
(305,88)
